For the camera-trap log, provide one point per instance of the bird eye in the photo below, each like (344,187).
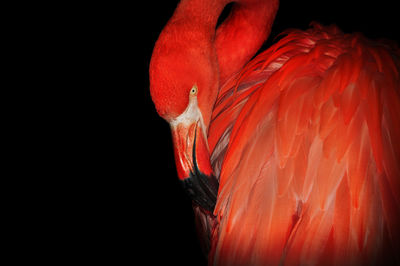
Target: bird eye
(193,90)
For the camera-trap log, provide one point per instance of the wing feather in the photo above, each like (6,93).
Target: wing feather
(306,140)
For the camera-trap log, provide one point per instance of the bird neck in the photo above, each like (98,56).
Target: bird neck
(238,38)
(241,35)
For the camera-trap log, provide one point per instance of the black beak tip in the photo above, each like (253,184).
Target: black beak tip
(202,189)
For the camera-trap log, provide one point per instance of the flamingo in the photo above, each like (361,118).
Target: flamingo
(292,157)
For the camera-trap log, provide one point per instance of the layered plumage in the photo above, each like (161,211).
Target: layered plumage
(306,142)
(304,139)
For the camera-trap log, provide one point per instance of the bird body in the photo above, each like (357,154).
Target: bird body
(303,141)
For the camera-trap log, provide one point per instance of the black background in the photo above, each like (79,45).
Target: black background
(140,209)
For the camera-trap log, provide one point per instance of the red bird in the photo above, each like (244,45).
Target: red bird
(292,158)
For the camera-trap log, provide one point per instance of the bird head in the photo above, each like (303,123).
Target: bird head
(183,84)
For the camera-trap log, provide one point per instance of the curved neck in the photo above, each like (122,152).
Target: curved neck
(238,38)
(241,35)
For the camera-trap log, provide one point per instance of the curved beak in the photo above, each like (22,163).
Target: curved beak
(193,160)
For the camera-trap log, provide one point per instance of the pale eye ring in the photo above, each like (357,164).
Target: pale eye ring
(193,90)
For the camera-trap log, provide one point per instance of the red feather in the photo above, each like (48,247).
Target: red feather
(304,139)
(316,134)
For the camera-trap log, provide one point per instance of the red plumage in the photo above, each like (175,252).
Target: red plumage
(305,143)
